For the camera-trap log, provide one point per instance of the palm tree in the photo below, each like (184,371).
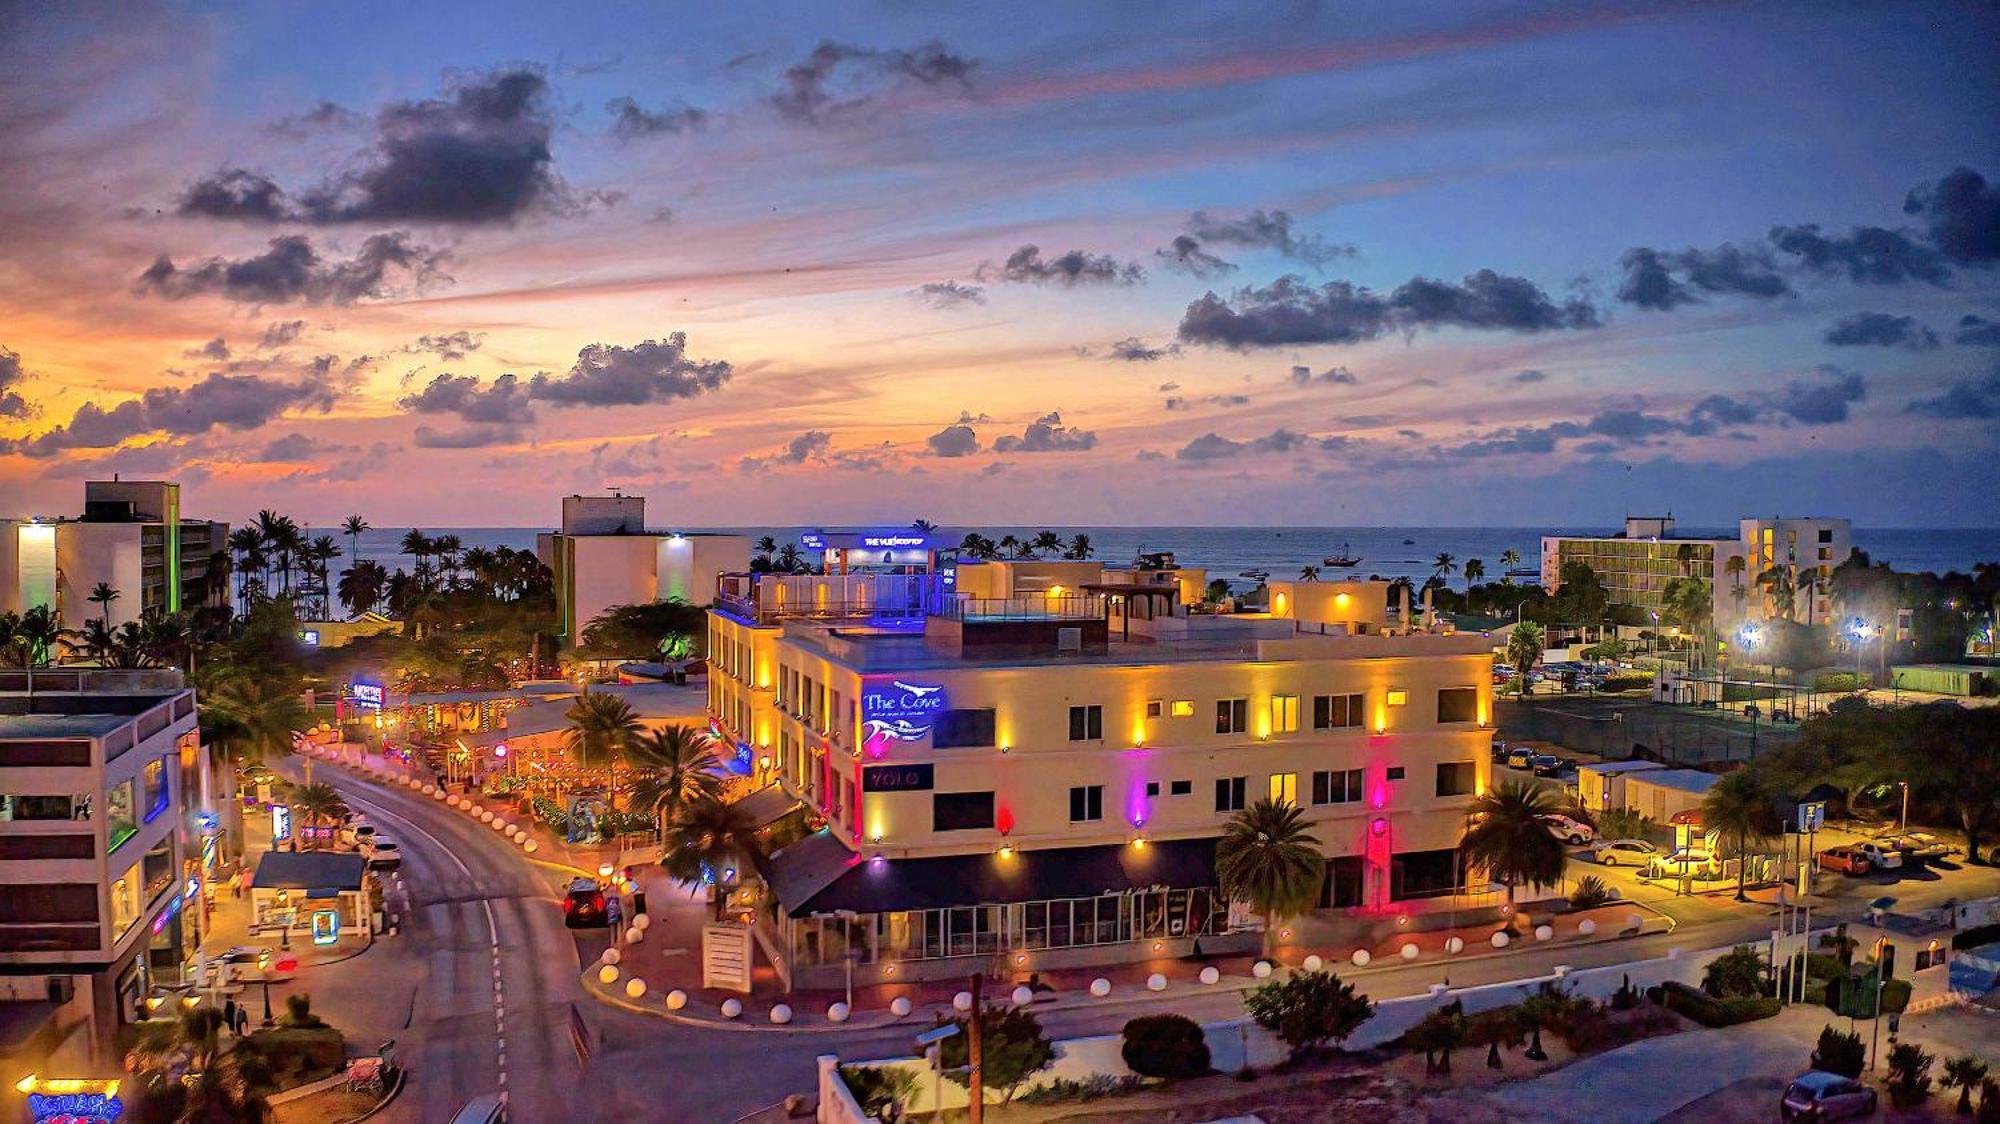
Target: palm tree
(1309,574)
(1777,582)
(1738,806)
(1442,567)
(1507,833)
(1524,651)
(767,545)
(1080,548)
(1475,570)
(602,728)
(1048,542)
(362,585)
(790,559)
(707,844)
(250,713)
(447,548)
(102,595)
(480,564)
(319,803)
(1509,559)
(924,525)
(1965,1073)
(354,527)
(676,767)
(1268,859)
(193,1078)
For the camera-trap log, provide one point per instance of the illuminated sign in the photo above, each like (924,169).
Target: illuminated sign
(905,540)
(309,637)
(899,711)
(897,778)
(281,822)
(71,1100)
(812,541)
(366,696)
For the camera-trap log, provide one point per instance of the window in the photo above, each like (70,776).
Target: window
(1334,712)
(1155,708)
(118,818)
(1086,723)
(14,807)
(1826,534)
(1457,778)
(1284,788)
(125,901)
(1338,786)
(958,728)
(1284,714)
(155,779)
(1152,788)
(1825,553)
(1398,696)
(1183,708)
(1229,794)
(1393,773)
(1458,704)
(961,811)
(1181,788)
(1086,803)
(1232,716)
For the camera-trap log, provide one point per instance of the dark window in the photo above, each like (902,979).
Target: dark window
(1423,873)
(1232,716)
(1344,881)
(1181,788)
(1086,723)
(1152,788)
(1456,778)
(1154,708)
(961,811)
(1086,803)
(48,903)
(1229,794)
(957,728)
(14,847)
(1458,704)
(1393,773)
(1826,534)
(1332,712)
(1337,786)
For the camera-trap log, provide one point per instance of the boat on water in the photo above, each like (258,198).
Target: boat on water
(1525,572)
(1345,558)
(1409,542)
(1255,575)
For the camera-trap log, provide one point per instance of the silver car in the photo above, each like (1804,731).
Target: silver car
(1817,1095)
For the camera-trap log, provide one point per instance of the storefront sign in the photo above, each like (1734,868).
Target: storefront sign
(897,778)
(71,1100)
(900,711)
(891,542)
(366,696)
(309,637)
(281,822)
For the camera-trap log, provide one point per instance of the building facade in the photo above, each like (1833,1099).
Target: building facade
(106,845)
(131,537)
(1043,776)
(604,556)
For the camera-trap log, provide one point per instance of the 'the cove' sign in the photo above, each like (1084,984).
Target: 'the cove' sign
(900,711)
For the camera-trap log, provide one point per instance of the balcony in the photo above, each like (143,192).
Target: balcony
(881,598)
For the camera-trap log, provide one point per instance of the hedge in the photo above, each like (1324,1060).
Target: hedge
(1707,1010)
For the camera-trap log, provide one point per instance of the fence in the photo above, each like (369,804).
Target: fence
(1677,735)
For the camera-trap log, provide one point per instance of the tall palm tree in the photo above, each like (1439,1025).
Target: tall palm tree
(767,545)
(1506,832)
(1475,570)
(1443,566)
(354,527)
(1309,573)
(790,560)
(448,548)
(102,595)
(362,585)
(602,728)
(1268,859)
(251,714)
(708,844)
(37,634)
(676,767)
(924,525)
(1738,806)
(318,802)
(1048,542)
(1509,559)
(1777,582)
(1524,651)
(1080,548)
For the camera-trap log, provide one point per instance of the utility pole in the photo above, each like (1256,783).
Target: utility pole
(975,1085)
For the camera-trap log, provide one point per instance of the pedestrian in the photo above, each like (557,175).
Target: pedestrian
(229,1015)
(236,887)
(242,1020)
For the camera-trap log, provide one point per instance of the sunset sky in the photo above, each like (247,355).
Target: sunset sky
(1070,264)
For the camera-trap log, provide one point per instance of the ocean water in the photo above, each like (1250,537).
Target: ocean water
(1229,551)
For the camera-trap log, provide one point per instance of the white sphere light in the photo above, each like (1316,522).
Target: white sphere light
(485,817)
(1314,962)
(611,956)
(451,801)
(437,794)
(1545,932)
(1454,945)
(529,846)
(838,1012)
(642,922)
(1261,969)
(1100,987)
(1586,927)
(635,987)
(962,1001)
(1210,975)
(899,1006)
(1500,938)
(1023,995)
(781,1014)
(1411,951)
(1156,982)
(1361,958)
(608,974)
(676,999)
(500,825)
(429,788)
(635,935)
(732,1007)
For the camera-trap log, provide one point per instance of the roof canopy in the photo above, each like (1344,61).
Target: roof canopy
(309,870)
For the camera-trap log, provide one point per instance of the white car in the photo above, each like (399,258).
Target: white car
(357,834)
(1569,831)
(1624,852)
(382,854)
(1882,858)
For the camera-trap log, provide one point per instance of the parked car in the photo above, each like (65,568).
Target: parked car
(1880,857)
(383,854)
(1817,1095)
(584,906)
(1500,751)
(356,834)
(1569,831)
(1915,846)
(1549,765)
(1623,852)
(1520,757)
(1846,860)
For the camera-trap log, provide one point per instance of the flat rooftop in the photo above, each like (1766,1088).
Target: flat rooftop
(18,726)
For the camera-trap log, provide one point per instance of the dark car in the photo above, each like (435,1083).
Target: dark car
(584,907)
(1815,1095)
(1549,765)
(1499,751)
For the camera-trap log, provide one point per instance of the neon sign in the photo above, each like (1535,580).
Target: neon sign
(71,1100)
(900,711)
(366,696)
(281,822)
(895,540)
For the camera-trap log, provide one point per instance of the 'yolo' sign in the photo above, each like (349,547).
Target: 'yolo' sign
(899,711)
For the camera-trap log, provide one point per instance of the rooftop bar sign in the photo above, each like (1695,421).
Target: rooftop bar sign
(900,711)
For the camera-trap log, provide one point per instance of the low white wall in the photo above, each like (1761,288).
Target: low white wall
(836,1103)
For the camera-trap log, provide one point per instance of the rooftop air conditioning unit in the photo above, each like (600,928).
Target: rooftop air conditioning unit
(1069,640)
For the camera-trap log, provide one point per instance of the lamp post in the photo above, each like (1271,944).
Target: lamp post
(1903,821)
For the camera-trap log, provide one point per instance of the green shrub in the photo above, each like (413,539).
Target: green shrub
(1013,1048)
(1839,1052)
(1628,681)
(880,1090)
(1589,893)
(1091,1088)
(295,1056)
(298,1013)
(1626,997)
(1833,682)
(1909,1073)
(1740,971)
(1622,823)
(1169,1046)
(1709,1010)
(1309,1009)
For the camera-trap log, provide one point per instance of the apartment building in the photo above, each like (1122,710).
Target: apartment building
(1637,565)
(1043,775)
(604,556)
(131,536)
(105,847)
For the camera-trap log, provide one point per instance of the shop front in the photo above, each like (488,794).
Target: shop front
(312,896)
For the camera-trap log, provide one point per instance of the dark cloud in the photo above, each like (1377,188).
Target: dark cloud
(1185,255)
(1660,279)
(1823,403)
(295,447)
(1363,421)
(1881,329)
(953,441)
(466,437)
(1132,349)
(1267,230)
(653,371)
(216,349)
(217,401)
(1047,434)
(1961,214)
(280,333)
(291,271)
(1213,446)
(837,81)
(450,346)
(813,446)
(630,122)
(324,117)
(1027,266)
(233,193)
(502,402)
(1869,255)
(1303,375)
(1977,331)
(12,405)
(1972,399)
(1531,375)
(949,294)
(1225,401)
(1290,311)
(967,417)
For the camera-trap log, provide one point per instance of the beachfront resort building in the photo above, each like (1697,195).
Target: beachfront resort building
(131,537)
(1637,564)
(604,556)
(107,843)
(1042,774)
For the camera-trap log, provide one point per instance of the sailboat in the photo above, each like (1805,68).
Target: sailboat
(1345,559)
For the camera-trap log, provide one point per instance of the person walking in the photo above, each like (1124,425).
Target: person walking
(229,1015)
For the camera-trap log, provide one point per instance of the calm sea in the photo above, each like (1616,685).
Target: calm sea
(1229,551)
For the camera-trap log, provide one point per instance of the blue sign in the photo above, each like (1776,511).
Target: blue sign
(366,696)
(902,539)
(899,711)
(741,761)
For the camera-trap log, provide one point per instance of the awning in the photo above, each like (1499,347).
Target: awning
(309,870)
(767,805)
(815,879)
